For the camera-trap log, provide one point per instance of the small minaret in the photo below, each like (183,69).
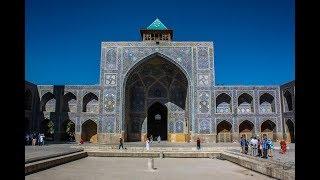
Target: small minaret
(157,32)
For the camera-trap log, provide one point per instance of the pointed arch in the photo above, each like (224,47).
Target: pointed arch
(48,102)
(88,98)
(89,131)
(224,129)
(66,100)
(266,103)
(269,128)
(288,101)
(290,130)
(245,103)
(246,128)
(157,74)
(223,103)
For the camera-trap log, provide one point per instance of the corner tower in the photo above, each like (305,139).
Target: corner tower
(156,31)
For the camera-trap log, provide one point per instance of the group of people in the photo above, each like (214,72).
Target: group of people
(150,140)
(263,148)
(34,139)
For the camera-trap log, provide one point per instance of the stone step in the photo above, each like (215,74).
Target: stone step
(40,165)
(269,168)
(43,157)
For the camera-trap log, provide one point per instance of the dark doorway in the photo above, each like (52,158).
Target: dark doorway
(157,121)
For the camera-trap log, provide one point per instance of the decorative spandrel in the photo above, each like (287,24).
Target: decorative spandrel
(109,102)
(204,127)
(179,127)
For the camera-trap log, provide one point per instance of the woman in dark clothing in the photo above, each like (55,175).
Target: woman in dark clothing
(246,146)
(198,143)
(259,148)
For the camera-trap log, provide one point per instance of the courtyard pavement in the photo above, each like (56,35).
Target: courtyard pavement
(102,168)
(33,153)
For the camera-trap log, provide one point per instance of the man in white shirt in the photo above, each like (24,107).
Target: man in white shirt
(254,146)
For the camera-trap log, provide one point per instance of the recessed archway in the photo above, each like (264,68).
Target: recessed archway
(157,121)
(267,104)
(224,132)
(246,129)
(269,128)
(48,102)
(89,131)
(223,103)
(154,79)
(89,98)
(288,101)
(67,98)
(245,103)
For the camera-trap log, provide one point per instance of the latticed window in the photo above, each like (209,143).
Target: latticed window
(223,108)
(265,107)
(244,108)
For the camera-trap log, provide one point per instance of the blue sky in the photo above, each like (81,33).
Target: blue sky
(253,39)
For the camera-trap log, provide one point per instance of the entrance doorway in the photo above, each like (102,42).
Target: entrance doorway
(157,121)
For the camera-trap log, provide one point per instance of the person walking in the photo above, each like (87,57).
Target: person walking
(41,139)
(198,144)
(120,143)
(147,144)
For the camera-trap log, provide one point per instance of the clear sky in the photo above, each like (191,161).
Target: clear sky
(253,39)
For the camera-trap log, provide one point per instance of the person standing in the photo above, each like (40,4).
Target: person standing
(120,143)
(147,144)
(251,146)
(34,139)
(255,146)
(259,148)
(242,142)
(271,148)
(283,146)
(198,144)
(265,147)
(246,146)
(39,139)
